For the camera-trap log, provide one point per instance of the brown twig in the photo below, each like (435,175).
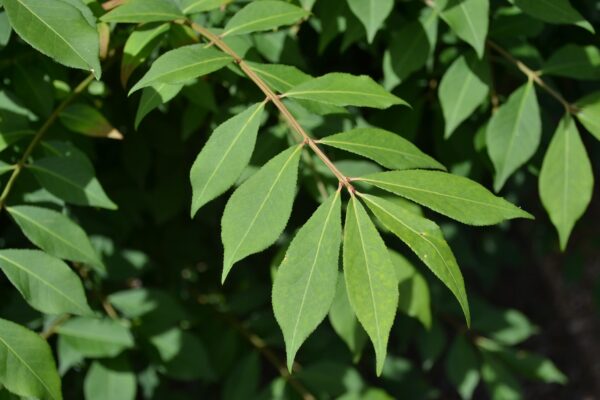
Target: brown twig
(534,76)
(274,98)
(110,4)
(39,135)
(51,329)
(269,355)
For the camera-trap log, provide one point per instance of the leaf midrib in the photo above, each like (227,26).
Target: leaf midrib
(312,268)
(28,367)
(229,148)
(51,233)
(434,193)
(55,32)
(258,21)
(42,280)
(457,286)
(263,203)
(362,242)
(160,77)
(385,149)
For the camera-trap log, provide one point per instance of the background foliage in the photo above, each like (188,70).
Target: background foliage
(108,110)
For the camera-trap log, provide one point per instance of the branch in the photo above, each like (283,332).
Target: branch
(39,135)
(274,98)
(534,76)
(266,352)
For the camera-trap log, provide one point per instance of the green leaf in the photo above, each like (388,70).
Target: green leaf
(514,132)
(386,148)
(224,156)
(258,211)
(343,89)
(454,196)
(96,338)
(140,11)
(27,366)
(4,167)
(182,64)
(589,113)
(182,355)
(305,283)
(554,12)
(196,6)
(410,48)
(425,239)
(46,283)
(344,322)
(263,16)
(500,382)
(462,367)
(370,278)
(372,14)
(575,62)
(110,380)
(5,29)
(68,357)
(531,366)
(566,179)
(414,299)
(72,180)
(60,31)
(88,121)
(282,78)
(469,19)
(139,46)
(463,88)
(56,234)
(153,97)
(507,326)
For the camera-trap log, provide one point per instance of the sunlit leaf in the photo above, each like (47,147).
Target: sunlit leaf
(454,196)
(370,278)
(224,156)
(424,238)
(513,134)
(342,89)
(386,148)
(566,179)
(60,31)
(305,283)
(27,366)
(47,283)
(263,16)
(259,209)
